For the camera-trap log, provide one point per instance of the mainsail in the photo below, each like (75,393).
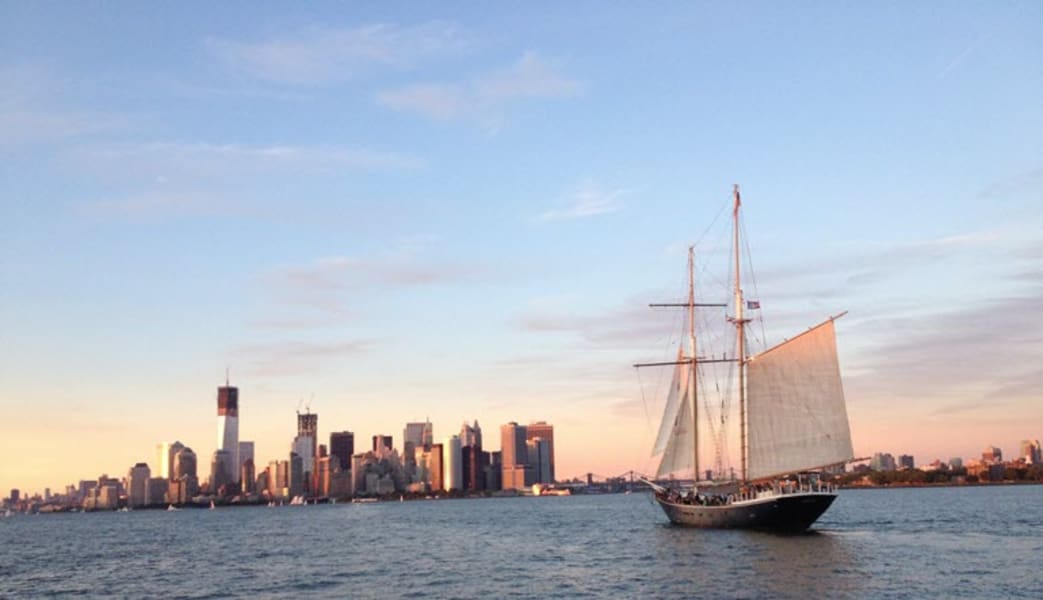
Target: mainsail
(795,406)
(676,438)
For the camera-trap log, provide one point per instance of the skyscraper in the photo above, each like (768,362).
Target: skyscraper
(165,459)
(542,429)
(382,445)
(305,446)
(137,485)
(514,455)
(991,455)
(470,435)
(342,446)
(246,452)
(435,467)
(228,427)
(219,475)
(539,460)
(1030,451)
(246,476)
(453,462)
(417,435)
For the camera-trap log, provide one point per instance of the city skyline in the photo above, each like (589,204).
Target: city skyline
(403,212)
(307,423)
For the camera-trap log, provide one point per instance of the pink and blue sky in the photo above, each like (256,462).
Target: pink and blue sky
(396,211)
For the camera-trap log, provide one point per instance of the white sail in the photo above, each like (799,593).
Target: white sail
(677,456)
(795,406)
(678,387)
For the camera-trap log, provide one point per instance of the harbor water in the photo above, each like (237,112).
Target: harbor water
(971,542)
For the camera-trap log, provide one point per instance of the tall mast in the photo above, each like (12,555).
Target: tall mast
(691,345)
(740,327)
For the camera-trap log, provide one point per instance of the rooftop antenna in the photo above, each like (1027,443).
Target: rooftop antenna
(226,376)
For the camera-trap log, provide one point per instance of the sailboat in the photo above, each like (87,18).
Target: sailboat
(792,423)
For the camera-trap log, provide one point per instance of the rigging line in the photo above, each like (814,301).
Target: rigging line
(753,278)
(710,226)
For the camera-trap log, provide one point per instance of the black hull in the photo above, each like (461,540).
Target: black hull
(790,513)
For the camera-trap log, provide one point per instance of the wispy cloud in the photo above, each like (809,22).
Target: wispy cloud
(328,284)
(28,114)
(961,359)
(320,55)
(589,200)
(194,159)
(279,359)
(164,204)
(483,98)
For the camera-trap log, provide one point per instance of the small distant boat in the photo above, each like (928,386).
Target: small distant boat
(298,501)
(7,513)
(124,509)
(171,508)
(212,507)
(362,500)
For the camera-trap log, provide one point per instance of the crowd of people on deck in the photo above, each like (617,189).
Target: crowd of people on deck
(750,490)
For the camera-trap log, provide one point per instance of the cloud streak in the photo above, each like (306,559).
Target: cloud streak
(278,359)
(195,159)
(487,95)
(320,55)
(587,201)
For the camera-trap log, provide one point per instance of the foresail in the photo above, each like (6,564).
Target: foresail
(795,405)
(673,403)
(679,446)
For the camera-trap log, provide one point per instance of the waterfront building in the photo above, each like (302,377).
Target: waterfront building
(956,463)
(417,435)
(277,470)
(305,446)
(453,461)
(882,461)
(246,476)
(475,465)
(991,454)
(15,496)
(295,475)
(157,490)
(470,435)
(358,473)
(228,428)
(543,430)
(261,486)
(905,462)
(220,478)
(165,457)
(494,471)
(342,446)
(324,475)
(539,459)
(436,468)
(382,445)
(514,454)
(137,485)
(108,497)
(1030,452)
(246,452)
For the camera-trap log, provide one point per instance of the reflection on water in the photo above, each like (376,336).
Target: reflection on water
(969,542)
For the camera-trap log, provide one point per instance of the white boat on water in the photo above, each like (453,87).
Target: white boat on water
(792,419)
(172,508)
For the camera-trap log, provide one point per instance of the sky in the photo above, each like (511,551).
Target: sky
(387,212)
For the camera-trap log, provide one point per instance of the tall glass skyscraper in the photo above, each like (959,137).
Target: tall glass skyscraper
(228,428)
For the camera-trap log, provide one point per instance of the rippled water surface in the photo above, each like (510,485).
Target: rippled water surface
(982,542)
